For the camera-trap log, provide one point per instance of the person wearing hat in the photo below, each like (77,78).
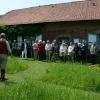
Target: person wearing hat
(4,52)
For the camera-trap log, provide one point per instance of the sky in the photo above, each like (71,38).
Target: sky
(8,5)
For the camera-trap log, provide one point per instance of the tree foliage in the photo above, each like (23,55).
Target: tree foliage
(29,30)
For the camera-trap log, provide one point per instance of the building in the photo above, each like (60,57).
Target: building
(74,21)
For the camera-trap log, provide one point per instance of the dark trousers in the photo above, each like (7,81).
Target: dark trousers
(63,58)
(84,58)
(40,56)
(76,57)
(93,59)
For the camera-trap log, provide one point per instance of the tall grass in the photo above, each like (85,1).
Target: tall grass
(41,91)
(16,65)
(35,80)
(74,76)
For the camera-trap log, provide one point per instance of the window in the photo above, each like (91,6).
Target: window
(76,40)
(39,37)
(92,38)
(19,39)
(98,40)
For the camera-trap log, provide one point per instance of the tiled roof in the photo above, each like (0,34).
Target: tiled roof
(73,11)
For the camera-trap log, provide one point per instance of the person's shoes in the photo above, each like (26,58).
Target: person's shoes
(3,79)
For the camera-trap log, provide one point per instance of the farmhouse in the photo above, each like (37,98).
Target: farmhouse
(74,21)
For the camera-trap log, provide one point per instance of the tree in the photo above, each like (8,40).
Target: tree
(30,30)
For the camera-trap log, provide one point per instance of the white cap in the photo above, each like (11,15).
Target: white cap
(40,40)
(2,34)
(24,40)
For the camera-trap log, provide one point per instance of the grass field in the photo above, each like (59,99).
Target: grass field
(35,80)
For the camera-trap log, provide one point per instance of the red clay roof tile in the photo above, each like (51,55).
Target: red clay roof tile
(74,11)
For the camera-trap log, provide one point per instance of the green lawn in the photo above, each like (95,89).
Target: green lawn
(35,80)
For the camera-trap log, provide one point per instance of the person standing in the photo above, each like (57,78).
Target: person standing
(63,51)
(24,49)
(93,50)
(76,52)
(48,50)
(54,50)
(35,48)
(44,51)
(5,50)
(40,50)
(71,52)
(84,51)
(14,48)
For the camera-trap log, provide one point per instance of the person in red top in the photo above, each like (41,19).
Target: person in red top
(4,51)
(40,50)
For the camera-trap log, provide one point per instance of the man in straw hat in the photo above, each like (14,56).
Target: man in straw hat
(4,51)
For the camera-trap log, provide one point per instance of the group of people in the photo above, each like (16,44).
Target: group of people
(44,50)
(73,52)
(23,50)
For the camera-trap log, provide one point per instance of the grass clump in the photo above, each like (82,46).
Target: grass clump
(74,75)
(16,65)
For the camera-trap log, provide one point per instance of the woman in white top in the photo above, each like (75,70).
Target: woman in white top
(93,50)
(63,51)
(48,50)
(71,52)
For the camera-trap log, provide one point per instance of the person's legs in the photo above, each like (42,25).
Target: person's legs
(84,59)
(94,59)
(22,54)
(3,67)
(39,55)
(25,54)
(0,64)
(2,74)
(68,57)
(49,53)
(35,54)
